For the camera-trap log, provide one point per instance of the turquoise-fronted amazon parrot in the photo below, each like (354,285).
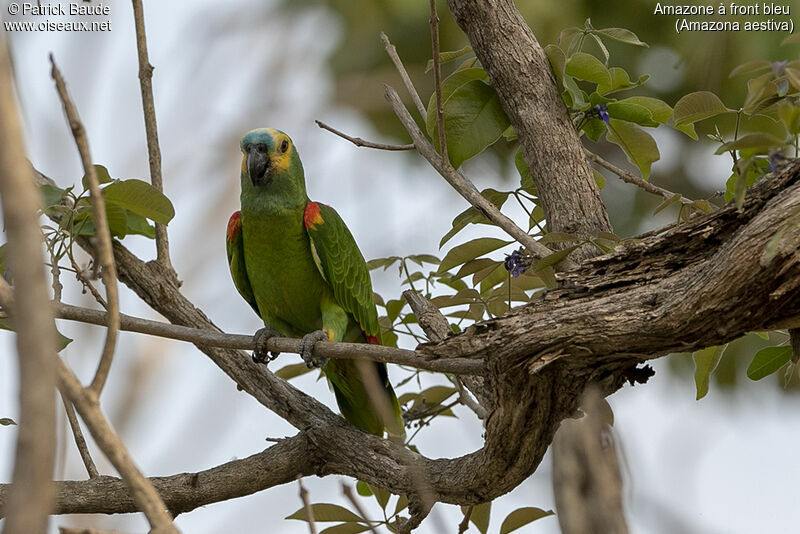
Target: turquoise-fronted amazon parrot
(296,263)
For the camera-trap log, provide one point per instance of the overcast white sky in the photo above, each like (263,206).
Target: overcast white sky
(725,464)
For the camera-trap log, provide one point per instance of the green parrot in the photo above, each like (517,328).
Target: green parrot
(296,263)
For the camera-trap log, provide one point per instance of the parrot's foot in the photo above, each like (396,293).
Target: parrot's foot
(261,354)
(307,347)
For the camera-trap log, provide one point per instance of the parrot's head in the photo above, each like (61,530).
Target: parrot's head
(270,162)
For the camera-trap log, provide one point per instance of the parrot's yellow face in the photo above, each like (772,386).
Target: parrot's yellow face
(265,153)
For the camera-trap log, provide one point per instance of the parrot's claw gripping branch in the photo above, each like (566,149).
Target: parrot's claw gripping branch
(307,344)
(260,353)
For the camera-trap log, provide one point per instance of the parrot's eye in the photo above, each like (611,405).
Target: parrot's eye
(284,145)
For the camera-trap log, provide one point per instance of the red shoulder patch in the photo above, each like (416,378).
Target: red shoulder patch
(312,216)
(372,340)
(234,226)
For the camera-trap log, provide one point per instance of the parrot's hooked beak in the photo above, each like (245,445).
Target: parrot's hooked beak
(258,166)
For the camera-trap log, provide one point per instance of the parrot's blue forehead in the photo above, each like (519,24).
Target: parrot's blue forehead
(261,136)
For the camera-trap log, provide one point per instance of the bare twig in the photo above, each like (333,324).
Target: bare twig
(31,496)
(146,497)
(312,525)
(348,492)
(87,284)
(462,185)
(80,442)
(631,178)
(355,351)
(103,234)
(437,78)
(151,129)
(361,142)
(392,51)
(464,525)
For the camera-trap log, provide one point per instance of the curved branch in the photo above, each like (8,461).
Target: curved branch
(103,234)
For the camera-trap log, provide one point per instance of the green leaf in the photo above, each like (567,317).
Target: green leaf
(758,142)
(449,85)
(698,106)
(480,515)
(117,220)
(470,250)
(363,489)
(631,112)
(620,81)
(346,528)
(637,144)
(525,178)
(419,259)
(622,35)
(287,372)
(552,259)
(382,262)
(667,202)
(433,396)
(324,512)
(445,57)
(659,110)
(102,177)
(474,119)
(750,67)
(705,361)
(588,68)
(521,517)
(7,421)
(473,216)
(381,495)
(594,128)
(141,198)
(558,61)
(139,225)
(767,361)
(51,195)
(599,179)
(61,340)
(402,504)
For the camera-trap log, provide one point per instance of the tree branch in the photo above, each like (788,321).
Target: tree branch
(80,442)
(151,128)
(144,495)
(103,233)
(215,338)
(437,80)
(631,178)
(401,69)
(462,186)
(521,75)
(361,142)
(32,318)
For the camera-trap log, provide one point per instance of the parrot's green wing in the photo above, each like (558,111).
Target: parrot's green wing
(235,247)
(342,266)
